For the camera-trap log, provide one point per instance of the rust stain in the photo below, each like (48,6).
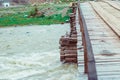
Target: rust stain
(107,53)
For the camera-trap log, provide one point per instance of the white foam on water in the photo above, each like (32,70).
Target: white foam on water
(46,66)
(32,53)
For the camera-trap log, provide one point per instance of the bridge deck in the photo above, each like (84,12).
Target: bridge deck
(105,44)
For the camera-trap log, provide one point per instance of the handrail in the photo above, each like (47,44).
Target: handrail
(89,60)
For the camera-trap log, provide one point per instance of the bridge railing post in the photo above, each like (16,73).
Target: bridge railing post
(83,40)
(89,61)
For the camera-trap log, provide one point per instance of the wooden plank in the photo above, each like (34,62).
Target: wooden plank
(109,19)
(92,74)
(113,4)
(106,51)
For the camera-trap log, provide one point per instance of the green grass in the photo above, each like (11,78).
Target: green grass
(19,20)
(16,16)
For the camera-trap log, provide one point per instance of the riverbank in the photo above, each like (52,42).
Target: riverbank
(43,14)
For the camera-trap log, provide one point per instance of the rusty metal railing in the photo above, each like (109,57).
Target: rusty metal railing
(89,60)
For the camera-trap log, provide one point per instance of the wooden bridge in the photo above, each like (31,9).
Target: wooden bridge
(94,40)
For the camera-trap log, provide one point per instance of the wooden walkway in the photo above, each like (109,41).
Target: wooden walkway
(94,40)
(102,21)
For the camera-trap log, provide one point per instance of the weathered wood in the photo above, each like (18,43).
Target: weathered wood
(70,60)
(62,53)
(104,41)
(109,19)
(92,74)
(114,5)
(62,58)
(69,48)
(68,43)
(69,56)
(70,51)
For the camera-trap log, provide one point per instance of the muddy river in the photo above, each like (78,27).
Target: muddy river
(32,53)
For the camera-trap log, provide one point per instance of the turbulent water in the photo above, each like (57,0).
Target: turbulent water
(32,53)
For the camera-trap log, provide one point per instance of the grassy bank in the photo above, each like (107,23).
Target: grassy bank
(53,14)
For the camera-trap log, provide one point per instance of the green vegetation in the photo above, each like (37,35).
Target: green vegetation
(31,15)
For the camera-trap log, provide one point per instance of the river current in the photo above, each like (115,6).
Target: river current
(32,53)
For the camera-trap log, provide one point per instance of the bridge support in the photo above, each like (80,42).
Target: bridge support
(68,42)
